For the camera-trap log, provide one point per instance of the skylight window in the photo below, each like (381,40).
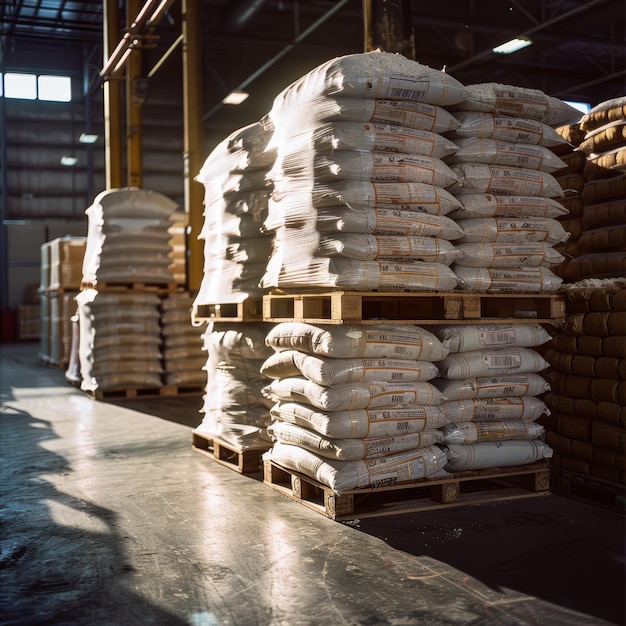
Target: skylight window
(33,87)
(56,88)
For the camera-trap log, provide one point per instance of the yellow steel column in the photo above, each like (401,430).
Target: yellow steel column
(194,145)
(388,26)
(134,102)
(112,103)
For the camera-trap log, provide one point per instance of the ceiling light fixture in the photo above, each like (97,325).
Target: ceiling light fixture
(88,138)
(513,45)
(69,161)
(235,97)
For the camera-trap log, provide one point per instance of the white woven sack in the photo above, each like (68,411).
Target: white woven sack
(351,449)
(367,247)
(348,341)
(505,128)
(496,179)
(362,423)
(474,337)
(329,372)
(514,255)
(525,408)
(496,152)
(494,361)
(342,476)
(520,101)
(490,205)
(351,395)
(507,280)
(471,432)
(512,230)
(490,454)
(505,386)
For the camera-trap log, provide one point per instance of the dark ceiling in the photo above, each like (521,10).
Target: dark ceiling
(579,50)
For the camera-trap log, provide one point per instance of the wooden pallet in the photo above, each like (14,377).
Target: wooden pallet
(591,490)
(462,489)
(133,393)
(250,310)
(242,461)
(127,287)
(412,307)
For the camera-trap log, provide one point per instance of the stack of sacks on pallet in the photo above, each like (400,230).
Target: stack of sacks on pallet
(128,239)
(234,408)
(507,189)
(235,206)
(572,181)
(587,427)
(601,246)
(353,405)
(119,340)
(359,199)
(489,383)
(183,355)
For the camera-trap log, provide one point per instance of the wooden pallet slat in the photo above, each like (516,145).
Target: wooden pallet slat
(250,310)
(131,286)
(131,393)
(465,488)
(412,307)
(591,490)
(242,461)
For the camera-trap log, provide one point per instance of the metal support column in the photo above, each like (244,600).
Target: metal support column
(388,26)
(193,157)
(112,103)
(134,102)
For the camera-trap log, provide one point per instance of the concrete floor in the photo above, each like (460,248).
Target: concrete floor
(109,517)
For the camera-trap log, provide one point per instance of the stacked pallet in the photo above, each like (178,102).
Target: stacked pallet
(587,427)
(125,271)
(599,228)
(61,274)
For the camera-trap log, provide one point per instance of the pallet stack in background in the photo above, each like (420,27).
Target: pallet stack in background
(61,275)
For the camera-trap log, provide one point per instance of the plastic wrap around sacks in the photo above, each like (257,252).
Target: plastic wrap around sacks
(351,449)
(519,101)
(331,371)
(119,345)
(183,355)
(361,423)
(490,454)
(348,341)
(342,476)
(524,408)
(127,237)
(234,407)
(504,255)
(472,432)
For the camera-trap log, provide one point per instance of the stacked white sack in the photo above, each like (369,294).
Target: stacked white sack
(489,383)
(505,165)
(120,341)
(234,408)
(235,207)
(127,237)
(352,404)
(183,356)
(359,198)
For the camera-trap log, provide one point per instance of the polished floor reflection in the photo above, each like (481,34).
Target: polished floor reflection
(110,517)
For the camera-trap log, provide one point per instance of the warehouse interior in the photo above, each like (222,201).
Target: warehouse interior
(116,508)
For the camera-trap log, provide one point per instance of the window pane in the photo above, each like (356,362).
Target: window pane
(57,88)
(20,86)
